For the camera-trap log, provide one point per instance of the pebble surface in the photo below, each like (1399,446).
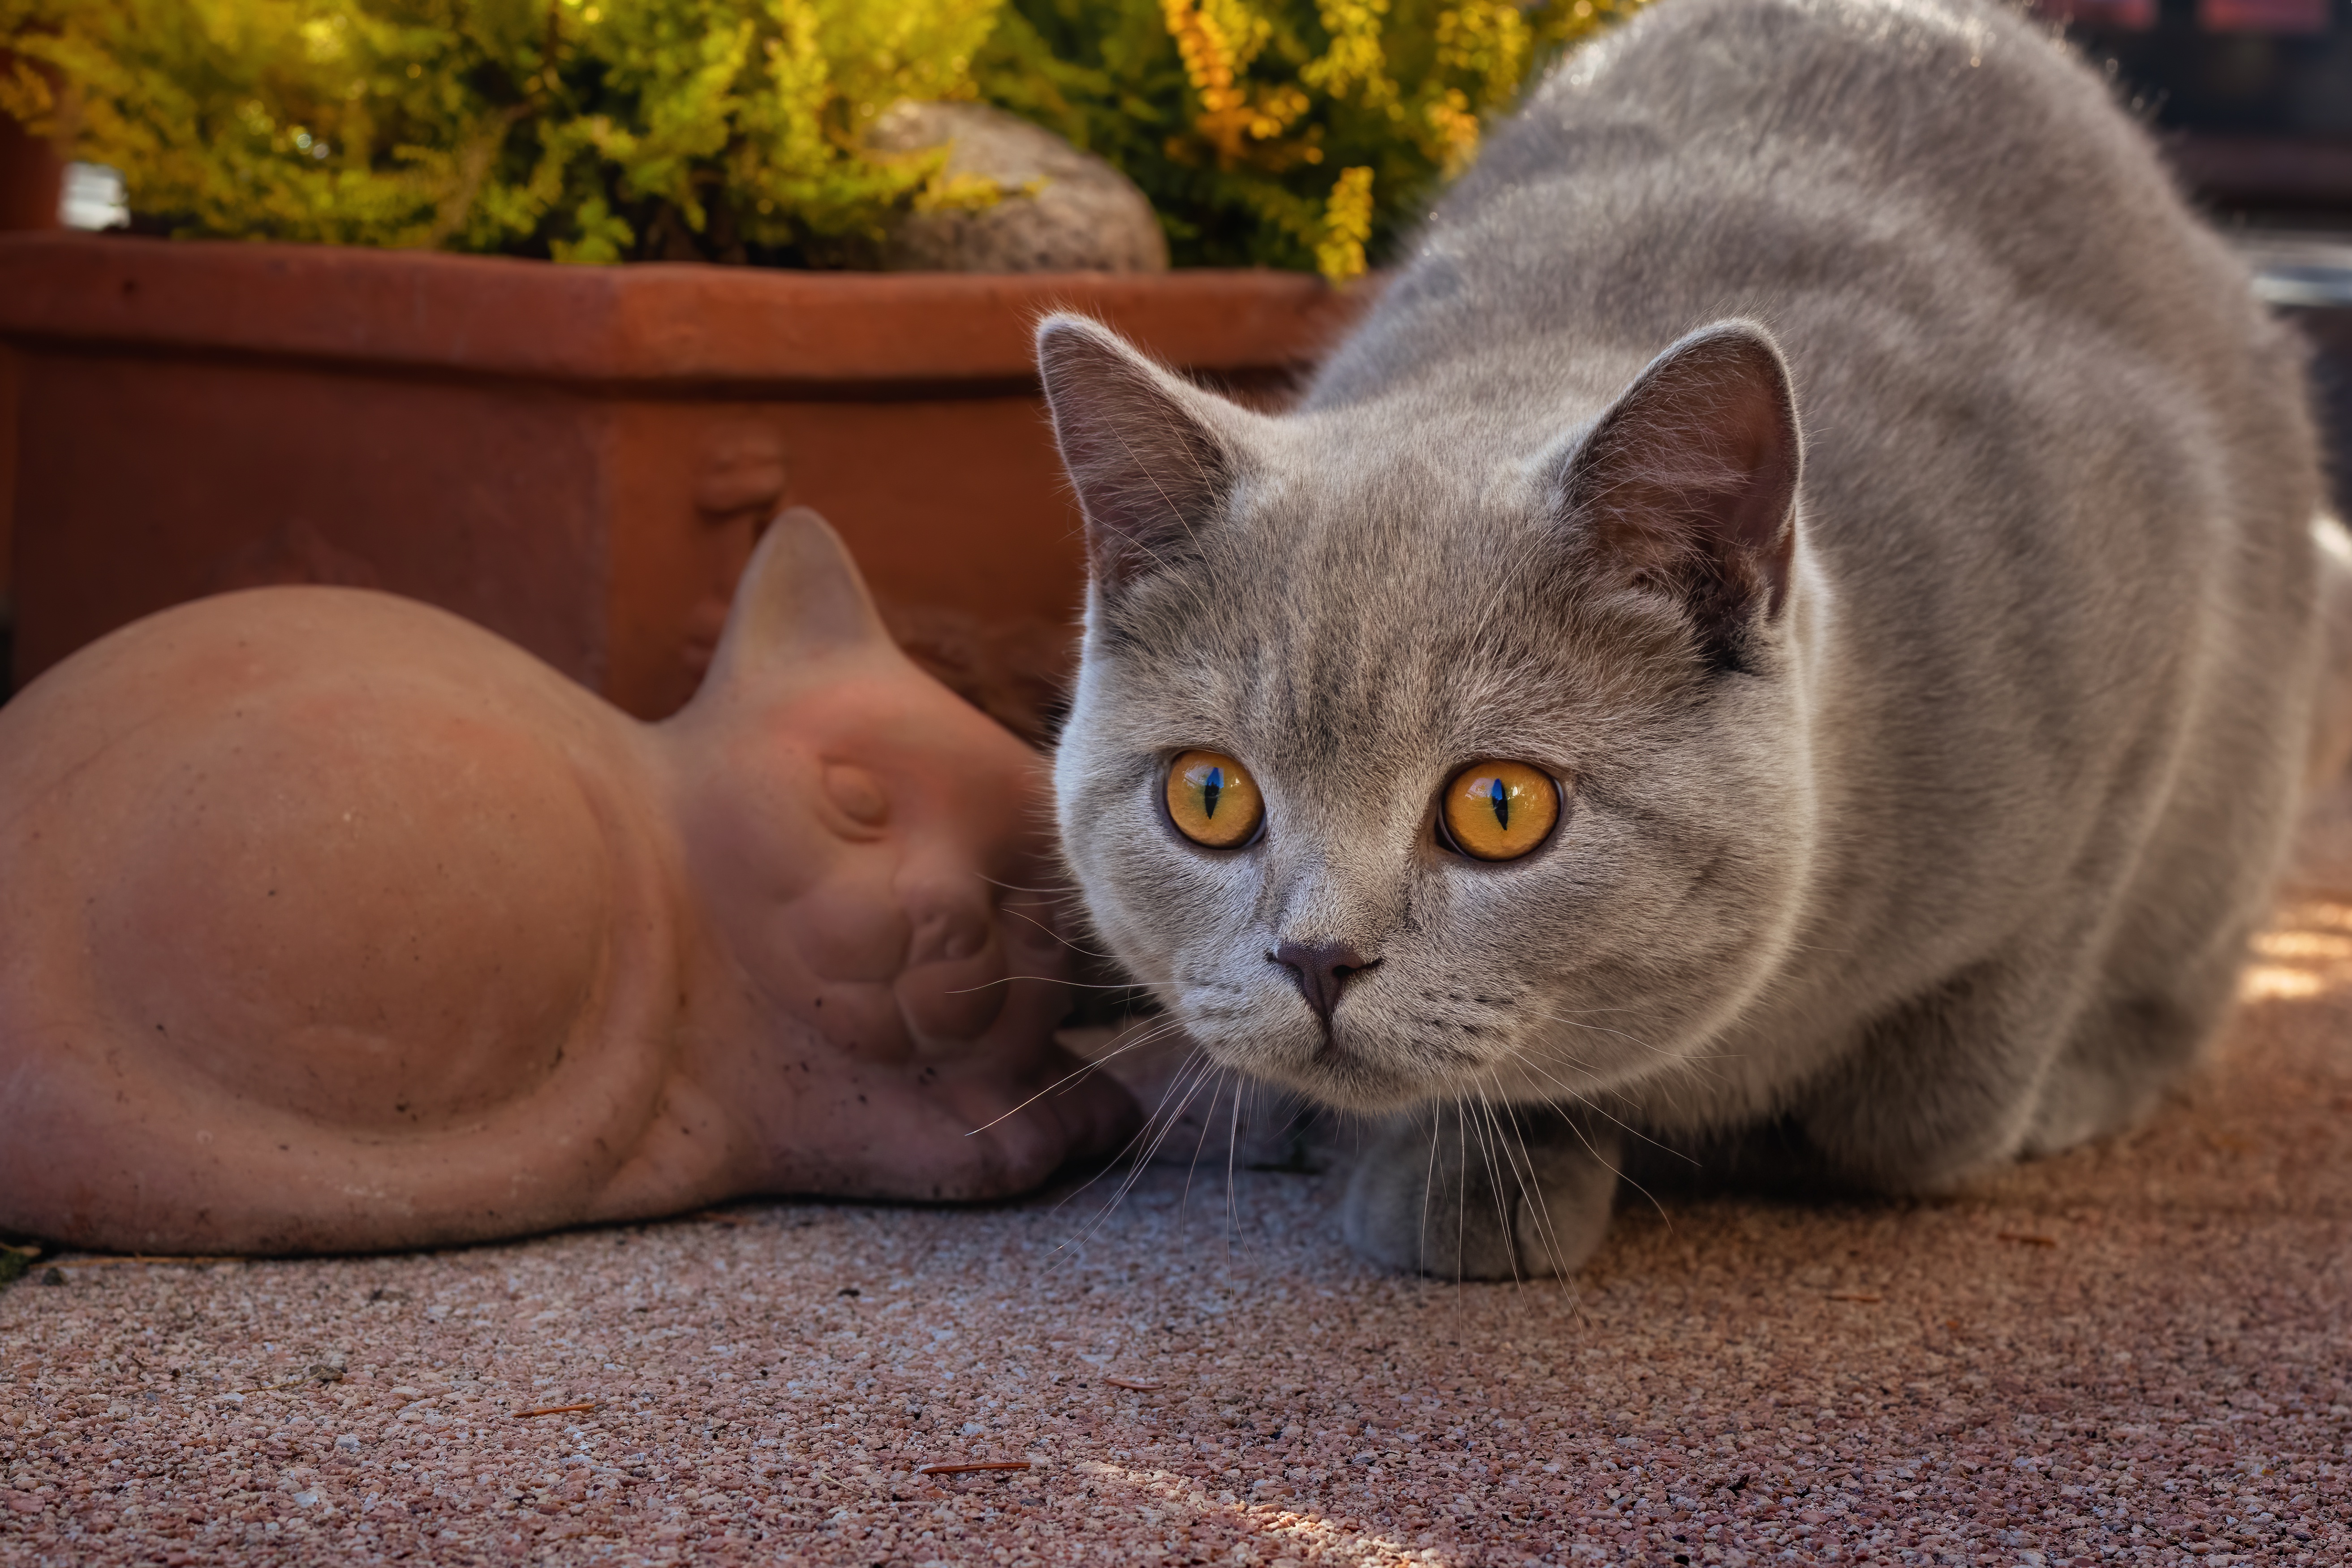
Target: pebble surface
(2140,1351)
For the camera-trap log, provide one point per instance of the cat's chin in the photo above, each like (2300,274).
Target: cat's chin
(1337,1077)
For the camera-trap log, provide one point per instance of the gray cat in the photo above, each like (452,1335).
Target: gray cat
(1791,635)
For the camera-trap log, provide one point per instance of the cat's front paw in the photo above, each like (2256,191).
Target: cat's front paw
(1430,1196)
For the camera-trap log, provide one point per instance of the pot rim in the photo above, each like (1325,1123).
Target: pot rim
(641,327)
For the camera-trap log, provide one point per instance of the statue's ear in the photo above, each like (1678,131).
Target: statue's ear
(1687,487)
(1153,458)
(801,602)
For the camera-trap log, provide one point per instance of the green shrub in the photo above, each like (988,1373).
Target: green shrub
(585,130)
(1293,135)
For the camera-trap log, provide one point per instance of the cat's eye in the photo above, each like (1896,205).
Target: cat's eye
(1213,800)
(1499,810)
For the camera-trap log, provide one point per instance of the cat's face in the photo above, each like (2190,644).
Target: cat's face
(863,836)
(1308,636)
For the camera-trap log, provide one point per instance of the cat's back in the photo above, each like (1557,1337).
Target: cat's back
(1951,136)
(1939,169)
(2020,362)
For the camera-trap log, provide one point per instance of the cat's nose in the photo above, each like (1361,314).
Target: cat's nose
(1321,969)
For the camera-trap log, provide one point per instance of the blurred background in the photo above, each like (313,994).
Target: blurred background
(2253,97)
(2253,101)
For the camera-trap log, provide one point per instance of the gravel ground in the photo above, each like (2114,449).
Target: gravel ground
(2139,1352)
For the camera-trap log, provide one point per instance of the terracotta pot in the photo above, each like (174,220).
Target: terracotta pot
(575,457)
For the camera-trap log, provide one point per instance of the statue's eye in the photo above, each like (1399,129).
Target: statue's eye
(1499,811)
(1213,800)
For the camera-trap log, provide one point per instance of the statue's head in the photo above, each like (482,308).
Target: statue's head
(875,852)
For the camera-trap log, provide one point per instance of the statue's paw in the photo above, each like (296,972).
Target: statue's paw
(1424,1199)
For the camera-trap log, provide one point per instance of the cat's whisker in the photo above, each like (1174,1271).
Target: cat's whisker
(1065,941)
(1617,1168)
(1666,1073)
(1037,904)
(1531,1188)
(1206,1074)
(1509,1142)
(1192,1166)
(1525,1176)
(1047,898)
(1503,1215)
(1159,1029)
(1590,1104)
(1054,980)
(1693,1062)
(1195,1072)
(1428,1185)
(1156,1032)
(1140,1150)
(1068,888)
(1599,1029)
(1499,1147)
(1460,1207)
(1585,1012)
(1233,1145)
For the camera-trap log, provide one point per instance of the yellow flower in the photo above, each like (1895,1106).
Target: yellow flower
(1355,61)
(1347,224)
(1456,128)
(1490,40)
(1216,41)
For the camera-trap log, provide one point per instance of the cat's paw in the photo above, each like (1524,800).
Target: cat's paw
(1427,1199)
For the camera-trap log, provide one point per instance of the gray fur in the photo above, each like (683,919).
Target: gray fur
(1940,847)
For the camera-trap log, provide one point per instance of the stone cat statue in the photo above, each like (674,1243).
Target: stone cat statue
(1788,638)
(331,922)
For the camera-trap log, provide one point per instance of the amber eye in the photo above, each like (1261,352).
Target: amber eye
(1213,800)
(1499,811)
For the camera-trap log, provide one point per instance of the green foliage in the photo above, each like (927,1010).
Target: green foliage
(586,130)
(1284,133)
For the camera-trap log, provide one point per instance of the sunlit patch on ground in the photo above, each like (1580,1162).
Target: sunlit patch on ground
(1284,1533)
(2306,952)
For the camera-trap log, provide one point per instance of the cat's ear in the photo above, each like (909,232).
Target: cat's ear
(1687,485)
(801,602)
(1153,459)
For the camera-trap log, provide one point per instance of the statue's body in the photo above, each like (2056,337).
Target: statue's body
(331,922)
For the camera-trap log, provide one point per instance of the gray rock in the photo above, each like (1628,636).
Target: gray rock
(1083,217)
